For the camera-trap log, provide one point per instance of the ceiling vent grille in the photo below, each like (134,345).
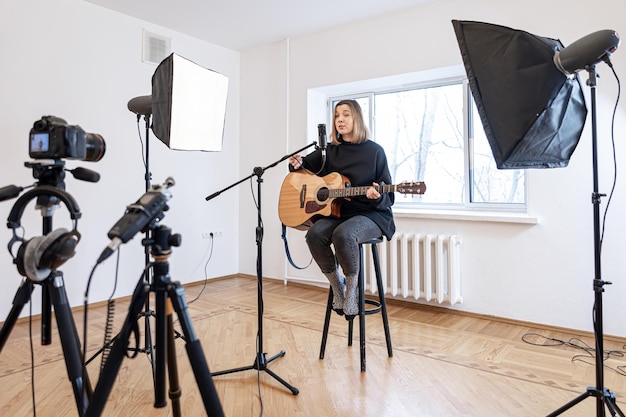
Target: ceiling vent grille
(155,48)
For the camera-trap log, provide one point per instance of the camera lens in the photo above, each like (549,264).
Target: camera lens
(94,147)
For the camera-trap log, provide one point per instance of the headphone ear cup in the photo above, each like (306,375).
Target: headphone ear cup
(58,247)
(29,265)
(19,258)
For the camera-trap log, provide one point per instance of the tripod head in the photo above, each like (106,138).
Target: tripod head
(161,241)
(37,257)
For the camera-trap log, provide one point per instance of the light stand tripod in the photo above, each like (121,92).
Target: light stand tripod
(260,362)
(167,294)
(603,396)
(141,105)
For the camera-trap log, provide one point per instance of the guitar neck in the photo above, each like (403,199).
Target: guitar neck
(355,191)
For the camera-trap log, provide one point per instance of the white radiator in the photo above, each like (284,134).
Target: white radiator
(419,266)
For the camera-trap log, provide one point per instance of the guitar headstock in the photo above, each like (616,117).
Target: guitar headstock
(411,187)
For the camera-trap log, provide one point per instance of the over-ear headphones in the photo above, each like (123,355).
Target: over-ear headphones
(37,257)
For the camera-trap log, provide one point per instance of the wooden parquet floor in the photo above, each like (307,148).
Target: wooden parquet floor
(444,363)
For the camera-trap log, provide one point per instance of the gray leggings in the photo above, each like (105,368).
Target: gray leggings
(345,236)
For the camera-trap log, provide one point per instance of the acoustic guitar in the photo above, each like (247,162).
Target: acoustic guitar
(305,196)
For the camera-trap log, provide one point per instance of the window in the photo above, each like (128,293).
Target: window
(431,132)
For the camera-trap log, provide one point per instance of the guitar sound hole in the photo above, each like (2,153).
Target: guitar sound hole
(322,194)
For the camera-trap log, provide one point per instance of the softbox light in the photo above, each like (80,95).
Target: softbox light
(188,105)
(533,114)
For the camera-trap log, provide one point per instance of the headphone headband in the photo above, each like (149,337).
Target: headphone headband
(18,208)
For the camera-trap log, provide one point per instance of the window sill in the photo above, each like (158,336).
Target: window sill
(475,216)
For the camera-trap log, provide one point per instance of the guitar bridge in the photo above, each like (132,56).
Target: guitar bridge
(302,195)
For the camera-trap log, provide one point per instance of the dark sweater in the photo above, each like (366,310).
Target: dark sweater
(363,164)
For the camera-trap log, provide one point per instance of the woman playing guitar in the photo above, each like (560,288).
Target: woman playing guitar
(360,217)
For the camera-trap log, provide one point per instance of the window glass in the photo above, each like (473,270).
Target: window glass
(432,133)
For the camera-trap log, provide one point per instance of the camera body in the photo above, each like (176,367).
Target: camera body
(52,138)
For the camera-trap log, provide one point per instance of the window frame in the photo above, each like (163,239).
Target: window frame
(360,91)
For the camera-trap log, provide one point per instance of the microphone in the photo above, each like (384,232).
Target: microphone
(321,136)
(141,105)
(148,208)
(586,51)
(85,174)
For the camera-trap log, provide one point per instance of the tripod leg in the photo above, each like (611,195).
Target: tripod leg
(572,403)
(69,341)
(112,366)
(172,367)
(197,359)
(609,401)
(22,296)
(160,354)
(46,317)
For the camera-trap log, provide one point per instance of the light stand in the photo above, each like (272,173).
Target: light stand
(260,362)
(140,104)
(603,396)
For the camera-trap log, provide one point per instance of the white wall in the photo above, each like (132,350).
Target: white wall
(81,62)
(539,273)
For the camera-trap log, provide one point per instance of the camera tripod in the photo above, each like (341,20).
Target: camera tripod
(70,343)
(168,294)
(53,295)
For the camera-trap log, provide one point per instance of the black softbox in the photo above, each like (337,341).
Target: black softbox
(533,114)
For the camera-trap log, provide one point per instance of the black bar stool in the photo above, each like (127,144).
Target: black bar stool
(377,306)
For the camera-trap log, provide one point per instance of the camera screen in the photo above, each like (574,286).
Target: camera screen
(39,142)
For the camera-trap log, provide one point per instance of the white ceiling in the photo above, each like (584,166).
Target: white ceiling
(241,24)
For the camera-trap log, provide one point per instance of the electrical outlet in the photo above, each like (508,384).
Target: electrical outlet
(212,234)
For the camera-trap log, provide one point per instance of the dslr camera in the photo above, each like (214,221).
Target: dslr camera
(52,138)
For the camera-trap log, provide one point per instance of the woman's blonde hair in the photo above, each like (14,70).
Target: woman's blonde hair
(359,132)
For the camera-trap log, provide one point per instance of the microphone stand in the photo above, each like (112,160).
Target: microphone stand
(260,362)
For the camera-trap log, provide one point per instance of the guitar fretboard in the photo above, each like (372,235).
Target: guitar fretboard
(354,191)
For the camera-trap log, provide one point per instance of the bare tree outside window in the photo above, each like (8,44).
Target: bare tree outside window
(433,134)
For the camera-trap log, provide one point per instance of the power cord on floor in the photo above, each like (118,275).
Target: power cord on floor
(537,339)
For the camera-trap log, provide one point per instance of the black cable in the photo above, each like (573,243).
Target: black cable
(32,354)
(614,153)
(206,264)
(578,344)
(261,303)
(110,315)
(143,155)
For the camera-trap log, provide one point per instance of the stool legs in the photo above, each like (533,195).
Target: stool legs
(362,309)
(380,305)
(383,303)
(329,309)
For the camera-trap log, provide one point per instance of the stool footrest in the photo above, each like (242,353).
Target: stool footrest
(376,309)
